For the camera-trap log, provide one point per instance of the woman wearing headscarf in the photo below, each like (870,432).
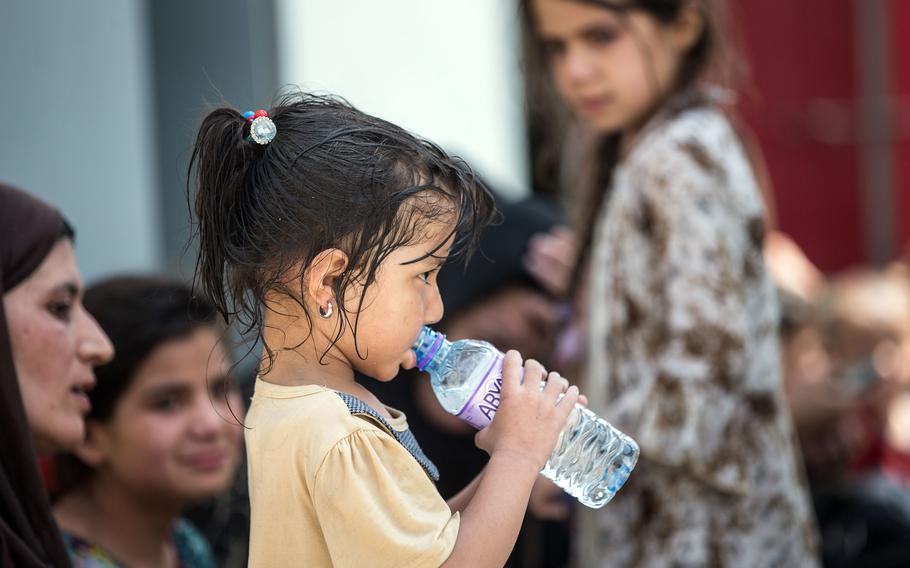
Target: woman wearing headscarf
(48,346)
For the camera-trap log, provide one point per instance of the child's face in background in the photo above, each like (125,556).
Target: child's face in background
(172,436)
(402,300)
(611,69)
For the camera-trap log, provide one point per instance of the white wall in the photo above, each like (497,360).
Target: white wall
(76,128)
(445,70)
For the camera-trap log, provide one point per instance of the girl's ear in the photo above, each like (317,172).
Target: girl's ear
(688,27)
(93,450)
(324,270)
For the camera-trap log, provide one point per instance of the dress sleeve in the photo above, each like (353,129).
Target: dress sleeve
(378,508)
(693,416)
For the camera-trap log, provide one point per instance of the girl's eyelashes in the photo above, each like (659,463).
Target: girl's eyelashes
(175,397)
(600,36)
(221,386)
(425,276)
(169,397)
(166,404)
(552,48)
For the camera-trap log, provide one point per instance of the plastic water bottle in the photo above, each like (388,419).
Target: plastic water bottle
(591,460)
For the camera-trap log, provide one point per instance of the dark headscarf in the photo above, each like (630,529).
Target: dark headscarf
(29,536)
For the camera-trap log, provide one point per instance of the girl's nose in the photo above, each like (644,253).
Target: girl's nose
(205,422)
(578,66)
(434,309)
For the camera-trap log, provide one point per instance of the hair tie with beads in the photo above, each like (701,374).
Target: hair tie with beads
(262,129)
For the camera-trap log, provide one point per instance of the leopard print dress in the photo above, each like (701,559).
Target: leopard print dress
(683,355)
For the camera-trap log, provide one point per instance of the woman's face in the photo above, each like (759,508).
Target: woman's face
(55,344)
(610,68)
(173,434)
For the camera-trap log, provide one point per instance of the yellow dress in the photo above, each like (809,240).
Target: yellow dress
(334,484)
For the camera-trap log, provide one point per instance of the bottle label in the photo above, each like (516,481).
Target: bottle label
(480,408)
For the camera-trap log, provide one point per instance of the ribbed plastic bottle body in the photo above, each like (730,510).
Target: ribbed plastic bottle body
(591,460)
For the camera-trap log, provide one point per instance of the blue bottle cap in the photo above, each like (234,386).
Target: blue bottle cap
(426,346)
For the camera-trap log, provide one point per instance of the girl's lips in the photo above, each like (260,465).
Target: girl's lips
(594,105)
(410,360)
(205,461)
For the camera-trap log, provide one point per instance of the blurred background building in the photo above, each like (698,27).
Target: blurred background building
(105,96)
(101,100)
(830,102)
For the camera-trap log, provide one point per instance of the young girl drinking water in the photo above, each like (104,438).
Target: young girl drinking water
(681,315)
(321,230)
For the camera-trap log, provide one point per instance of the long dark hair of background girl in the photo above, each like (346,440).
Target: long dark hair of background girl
(712,60)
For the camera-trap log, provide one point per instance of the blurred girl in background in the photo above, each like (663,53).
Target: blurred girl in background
(681,315)
(162,433)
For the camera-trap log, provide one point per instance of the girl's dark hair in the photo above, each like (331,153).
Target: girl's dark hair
(333,177)
(138,314)
(711,59)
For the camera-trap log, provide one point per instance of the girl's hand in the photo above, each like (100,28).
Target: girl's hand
(551,259)
(529,420)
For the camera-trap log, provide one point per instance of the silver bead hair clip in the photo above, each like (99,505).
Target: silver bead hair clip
(262,129)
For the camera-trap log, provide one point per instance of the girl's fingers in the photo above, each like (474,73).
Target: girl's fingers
(511,371)
(534,374)
(554,278)
(559,244)
(551,258)
(556,385)
(567,404)
(564,233)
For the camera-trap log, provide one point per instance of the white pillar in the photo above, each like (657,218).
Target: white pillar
(447,71)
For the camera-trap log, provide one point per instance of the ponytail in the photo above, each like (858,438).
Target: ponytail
(221,162)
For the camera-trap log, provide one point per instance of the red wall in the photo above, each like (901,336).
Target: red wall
(800,100)
(900,64)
